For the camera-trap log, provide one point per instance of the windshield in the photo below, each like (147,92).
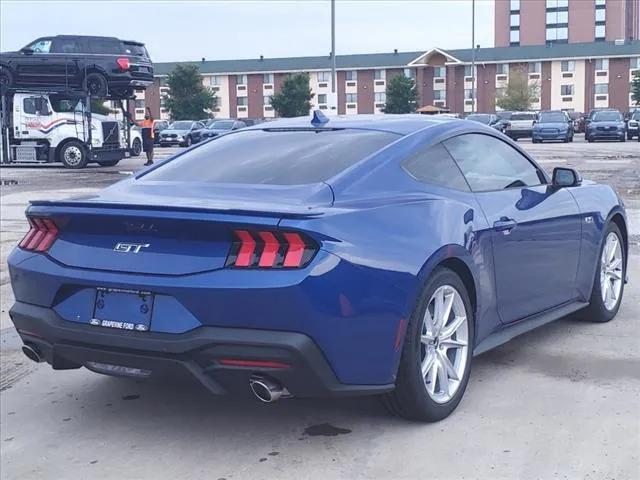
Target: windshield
(607,117)
(553,118)
(273,157)
(62,104)
(504,115)
(480,118)
(523,116)
(181,125)
(222,125)
(636,115)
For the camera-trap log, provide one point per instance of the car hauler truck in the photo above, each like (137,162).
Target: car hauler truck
(41,126)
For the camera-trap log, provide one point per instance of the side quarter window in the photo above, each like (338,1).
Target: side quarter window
(491,164)
(434,166)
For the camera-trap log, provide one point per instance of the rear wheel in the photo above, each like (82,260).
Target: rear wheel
(608,284)
(436,356)
(6,78)
(73,154)
(136,147)
(96,84)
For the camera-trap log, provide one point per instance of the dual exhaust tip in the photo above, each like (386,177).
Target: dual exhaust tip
(267,390)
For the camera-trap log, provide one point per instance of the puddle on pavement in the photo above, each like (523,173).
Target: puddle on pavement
(325,430)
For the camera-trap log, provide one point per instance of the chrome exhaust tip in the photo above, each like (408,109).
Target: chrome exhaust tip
(32,354)
(267,390)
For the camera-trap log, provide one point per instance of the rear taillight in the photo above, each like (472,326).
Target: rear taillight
(123,63)
(41,235)
(270,249)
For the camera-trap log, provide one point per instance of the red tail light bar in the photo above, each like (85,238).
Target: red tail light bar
(41,235)
(123,63)
(270,249)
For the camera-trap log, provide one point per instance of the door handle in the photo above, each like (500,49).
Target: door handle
(505,225)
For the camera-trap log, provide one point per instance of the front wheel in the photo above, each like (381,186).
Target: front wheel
(136,147)
(6,78)
(608,284)
(437,353)
(108,163)
(73,155)
(187,142)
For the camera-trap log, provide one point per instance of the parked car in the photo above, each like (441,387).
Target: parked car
(578,121)
(101,65)
(250,122)
(521,125)
(490,119)
(222,126)
(183,133)
(633,125)
(356,256)
(552,125)
(606,125)
(158,127)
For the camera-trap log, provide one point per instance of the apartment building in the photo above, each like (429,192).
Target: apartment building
(536,22)
(568,76)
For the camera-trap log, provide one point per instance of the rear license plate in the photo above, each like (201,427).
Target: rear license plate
(123,309)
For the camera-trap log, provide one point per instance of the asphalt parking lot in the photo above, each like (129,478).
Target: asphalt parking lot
(562,402)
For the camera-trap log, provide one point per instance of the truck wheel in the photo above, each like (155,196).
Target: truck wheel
(6,78)
(136,147)
(108,163)
(96,84)
(73,155)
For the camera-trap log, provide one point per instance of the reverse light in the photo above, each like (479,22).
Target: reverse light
(123,63)
(41,235)
(270,249)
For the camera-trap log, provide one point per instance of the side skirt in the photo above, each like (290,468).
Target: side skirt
(525,325)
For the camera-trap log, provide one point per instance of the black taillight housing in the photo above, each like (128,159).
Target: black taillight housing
(267,249)
(41,235)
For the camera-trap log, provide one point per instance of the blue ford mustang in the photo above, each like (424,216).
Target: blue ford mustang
(364,255)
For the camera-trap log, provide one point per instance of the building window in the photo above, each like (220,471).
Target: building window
(324,76)
(351,75)
(601,15)
(410,72)
(557,4)
(514,5)
(352,98)
(557,18)
(266,99)
(601,88)
(601,32)
(535,67)
(243,101)
(566,90)
(267,78)
(514,20)
(635,63)
(468,71)
(439,72)
(139,103)
(380,97)
(567,66)
(557,21)
(514,37)
(500,92)
(601,3)
(468,94)
(602,64)
(439,94)
(502,69)
(378,74)
(322,98)
(241,79)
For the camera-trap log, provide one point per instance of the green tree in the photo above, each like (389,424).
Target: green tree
(402,95)
(635,88)
(294,97)
(98,106)
(188,98)
(519,94)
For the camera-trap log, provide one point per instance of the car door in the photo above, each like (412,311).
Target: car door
(197,131)
(66,60)
(535,228)
(33,65)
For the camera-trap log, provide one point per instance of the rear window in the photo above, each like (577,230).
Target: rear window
(135,49)
(285,157)
(523,116)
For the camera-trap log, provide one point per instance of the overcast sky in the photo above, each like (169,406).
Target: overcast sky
(185,30)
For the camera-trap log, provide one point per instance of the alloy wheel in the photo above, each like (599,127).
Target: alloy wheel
(73,156)
(611,271)
(444,344)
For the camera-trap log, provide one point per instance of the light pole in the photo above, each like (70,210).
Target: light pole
(333,104)
(473,56)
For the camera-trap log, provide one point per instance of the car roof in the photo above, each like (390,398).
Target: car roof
(402,124)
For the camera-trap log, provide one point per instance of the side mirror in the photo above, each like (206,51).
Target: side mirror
(26,51)
(535,121)
(566,177)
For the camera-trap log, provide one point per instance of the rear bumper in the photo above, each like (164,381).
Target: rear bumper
(194,354)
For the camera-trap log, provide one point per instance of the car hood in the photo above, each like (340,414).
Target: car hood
(594,124)
(171,130)
(217,131)
(558,125)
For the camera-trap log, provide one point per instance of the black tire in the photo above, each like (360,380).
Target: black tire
(596,311)
(623,139)
(96,84)
(73,154)
(410,398)
(109,163)
(6,78)
(589,139)
(187,142)
(136,147)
